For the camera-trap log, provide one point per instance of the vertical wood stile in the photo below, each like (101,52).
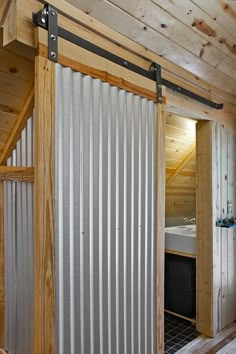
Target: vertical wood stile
(204,254)
(1,268)
(160,219)
(44,289)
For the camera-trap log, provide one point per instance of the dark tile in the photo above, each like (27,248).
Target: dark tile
(172,351)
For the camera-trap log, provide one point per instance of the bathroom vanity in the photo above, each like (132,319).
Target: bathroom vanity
(180,270)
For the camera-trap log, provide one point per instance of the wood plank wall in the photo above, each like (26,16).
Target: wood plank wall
(180,191)
(216,249)
(224,251)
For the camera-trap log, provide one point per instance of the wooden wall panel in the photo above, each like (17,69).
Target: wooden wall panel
(216,256)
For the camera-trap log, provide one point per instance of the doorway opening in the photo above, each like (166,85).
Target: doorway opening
(180,233)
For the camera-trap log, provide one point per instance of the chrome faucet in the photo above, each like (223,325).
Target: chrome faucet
(186,220)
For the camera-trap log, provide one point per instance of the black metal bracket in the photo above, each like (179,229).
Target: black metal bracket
(47,19)
(156,68)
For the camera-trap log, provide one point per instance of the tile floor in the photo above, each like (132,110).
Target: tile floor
(178,333)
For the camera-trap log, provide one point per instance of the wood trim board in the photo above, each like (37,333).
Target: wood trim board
(160,236)
(1,267)
(44,243)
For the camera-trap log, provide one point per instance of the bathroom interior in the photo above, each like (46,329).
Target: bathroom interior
(180,233)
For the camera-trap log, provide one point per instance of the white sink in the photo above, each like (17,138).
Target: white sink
(181,238)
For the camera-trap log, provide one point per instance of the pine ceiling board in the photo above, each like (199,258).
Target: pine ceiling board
(184,180)
(179,187)
(179,134)
(174,163)
(155,41)
(199,21)
(181,122)
(17,66)
(4,134)
(14,86)
(176,154)
(158,19)
(173,143)
(222,11)
(191,166)
(170,171)
(10,103)
(7,120)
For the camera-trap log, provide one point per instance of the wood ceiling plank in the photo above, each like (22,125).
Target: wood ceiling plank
(18,127)
(4,134)
(14,86)
(181,122)
(10,103)
(7,120)
(180,134)
(112,16)
(176,144)
(184,173)
(221,10)
(181,166)
(16,66)
(172,163)
(185,180)
(200,22)
(150,14)
(175,154)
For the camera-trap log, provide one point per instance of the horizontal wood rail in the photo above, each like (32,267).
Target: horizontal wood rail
(17,174)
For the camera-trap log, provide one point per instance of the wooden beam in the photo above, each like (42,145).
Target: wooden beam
(44,267)
(160,238)
(181,166)
(4,8)
(1,268)
(18,127)
(12,173)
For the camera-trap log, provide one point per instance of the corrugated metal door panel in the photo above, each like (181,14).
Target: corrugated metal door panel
(19,260)
(105,217)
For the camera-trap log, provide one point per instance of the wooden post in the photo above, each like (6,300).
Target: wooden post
(204,214)
(160,242)
(1,268)
(44,289)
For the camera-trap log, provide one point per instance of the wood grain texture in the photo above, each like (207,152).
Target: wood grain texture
(204,216)
(12,173)
(151,26)
(181,166)
(18,127)
(75,17)
(160,240)
(44,291)
(1,268)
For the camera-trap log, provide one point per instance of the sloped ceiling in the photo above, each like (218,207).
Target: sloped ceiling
(180,166)
(198,35)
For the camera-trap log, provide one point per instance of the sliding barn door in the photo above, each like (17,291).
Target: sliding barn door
(105,217)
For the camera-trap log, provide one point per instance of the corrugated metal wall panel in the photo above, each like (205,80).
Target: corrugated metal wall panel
(19,262)
(105,217)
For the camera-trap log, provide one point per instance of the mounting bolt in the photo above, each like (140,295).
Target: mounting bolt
(53,37)
(53,13)
(53,55)
(125,63)
(43,20)
(159,86)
